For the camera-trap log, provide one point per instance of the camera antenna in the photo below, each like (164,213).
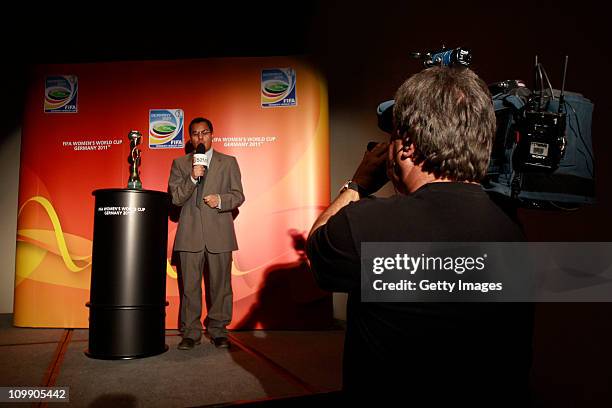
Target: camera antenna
(536,71)
(561,95)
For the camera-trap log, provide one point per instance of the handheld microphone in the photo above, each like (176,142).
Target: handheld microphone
(200,158)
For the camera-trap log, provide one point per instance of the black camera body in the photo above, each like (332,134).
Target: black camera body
(541,141)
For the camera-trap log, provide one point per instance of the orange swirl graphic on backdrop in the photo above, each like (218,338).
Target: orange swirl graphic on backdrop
(69,259)
(61,240)
(59,234)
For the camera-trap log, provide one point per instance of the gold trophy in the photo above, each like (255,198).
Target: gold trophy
(134,159)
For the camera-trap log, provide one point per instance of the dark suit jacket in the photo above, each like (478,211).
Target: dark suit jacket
(206,227)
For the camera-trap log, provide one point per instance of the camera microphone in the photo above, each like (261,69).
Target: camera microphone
(445,57)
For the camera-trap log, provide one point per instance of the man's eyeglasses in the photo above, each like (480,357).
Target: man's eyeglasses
(201,133)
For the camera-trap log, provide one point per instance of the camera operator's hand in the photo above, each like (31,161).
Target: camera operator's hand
(371,174)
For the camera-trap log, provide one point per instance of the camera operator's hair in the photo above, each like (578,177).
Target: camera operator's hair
(447,115)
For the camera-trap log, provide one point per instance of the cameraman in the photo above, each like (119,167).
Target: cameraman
(478,353)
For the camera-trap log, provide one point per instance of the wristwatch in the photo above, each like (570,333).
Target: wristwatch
(352,186)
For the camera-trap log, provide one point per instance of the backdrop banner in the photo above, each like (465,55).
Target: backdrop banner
(270,113)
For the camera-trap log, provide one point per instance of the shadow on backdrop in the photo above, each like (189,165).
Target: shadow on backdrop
(289,298)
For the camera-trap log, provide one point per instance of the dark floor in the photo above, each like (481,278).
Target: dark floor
(572,366)
(261,365)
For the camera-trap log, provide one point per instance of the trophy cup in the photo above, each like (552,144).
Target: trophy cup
(134,159)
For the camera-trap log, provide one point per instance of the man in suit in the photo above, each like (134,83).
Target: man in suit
(207,196)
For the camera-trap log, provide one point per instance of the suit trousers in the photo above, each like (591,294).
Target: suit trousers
(216,269)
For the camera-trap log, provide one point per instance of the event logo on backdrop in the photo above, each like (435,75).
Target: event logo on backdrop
(61,94)
(166,128)
(278,87)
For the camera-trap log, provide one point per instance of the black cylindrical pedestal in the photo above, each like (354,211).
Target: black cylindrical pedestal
(128,274)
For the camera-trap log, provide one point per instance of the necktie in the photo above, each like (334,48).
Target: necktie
(200,188)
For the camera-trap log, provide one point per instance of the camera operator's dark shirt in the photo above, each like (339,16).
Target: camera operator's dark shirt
(425,351)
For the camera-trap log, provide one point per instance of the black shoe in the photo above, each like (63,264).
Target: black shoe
(187,343)
(221,342)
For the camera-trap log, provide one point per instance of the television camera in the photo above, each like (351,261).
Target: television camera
(542,152)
